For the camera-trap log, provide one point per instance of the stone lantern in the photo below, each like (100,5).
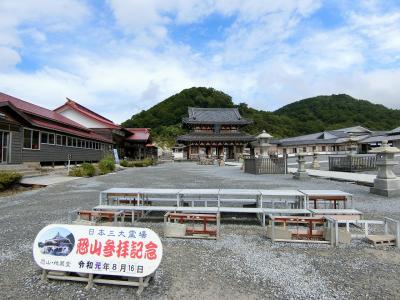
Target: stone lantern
(386,182)
(315,162)
(353,147)
(301,170)
(263,142)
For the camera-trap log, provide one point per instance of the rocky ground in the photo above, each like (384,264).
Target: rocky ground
(242,264)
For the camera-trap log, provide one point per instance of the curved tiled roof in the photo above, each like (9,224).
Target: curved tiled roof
(198,115)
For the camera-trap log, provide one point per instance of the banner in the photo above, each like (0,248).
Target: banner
(116,157)
(122,251)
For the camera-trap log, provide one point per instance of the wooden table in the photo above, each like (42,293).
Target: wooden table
(333,197)
(98,215)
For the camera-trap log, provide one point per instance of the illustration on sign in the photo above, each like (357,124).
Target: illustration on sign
(56,241)
(122,251)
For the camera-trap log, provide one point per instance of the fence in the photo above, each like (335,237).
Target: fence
(265,165)
(352,163)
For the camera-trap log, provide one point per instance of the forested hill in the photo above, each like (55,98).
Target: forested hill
(339,111)
(301,117)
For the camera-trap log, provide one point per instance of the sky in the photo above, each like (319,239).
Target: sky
(118,57)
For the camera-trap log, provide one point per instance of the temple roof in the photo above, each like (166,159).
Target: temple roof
(198,115)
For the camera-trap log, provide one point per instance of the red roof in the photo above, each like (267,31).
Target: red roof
(138,134)
(42,112)
(87,112)
(45,118)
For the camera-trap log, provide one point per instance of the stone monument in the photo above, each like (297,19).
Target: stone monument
(386,182)
(301,170)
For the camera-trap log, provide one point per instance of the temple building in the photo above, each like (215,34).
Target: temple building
(214,133)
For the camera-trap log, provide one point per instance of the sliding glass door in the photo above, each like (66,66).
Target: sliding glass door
(4,147)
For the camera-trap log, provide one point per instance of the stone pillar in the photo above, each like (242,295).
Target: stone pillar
(301,171)
(315,162)
(386,182)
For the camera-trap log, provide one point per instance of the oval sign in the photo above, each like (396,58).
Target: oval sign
(120,251)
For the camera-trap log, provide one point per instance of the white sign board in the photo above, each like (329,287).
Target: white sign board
(122,251)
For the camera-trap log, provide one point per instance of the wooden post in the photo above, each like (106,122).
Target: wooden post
(90,282)
(44,275)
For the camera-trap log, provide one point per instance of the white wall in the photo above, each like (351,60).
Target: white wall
(82,119)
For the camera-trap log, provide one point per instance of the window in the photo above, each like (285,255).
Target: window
(90,145)
(59,140)
(294,150)
(51,138)
(64,140)
(31,139)
(79,143)
(44,138)
(304,149)
(69,141)
(323,148)
(74,142)
(314,148)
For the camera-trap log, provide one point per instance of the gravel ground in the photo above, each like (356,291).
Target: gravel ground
(242,264)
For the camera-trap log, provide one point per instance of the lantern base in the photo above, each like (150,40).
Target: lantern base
(386,187)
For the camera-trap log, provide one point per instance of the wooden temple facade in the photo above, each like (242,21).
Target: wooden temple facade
(214,133)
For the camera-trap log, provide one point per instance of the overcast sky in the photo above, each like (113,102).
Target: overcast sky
(118,57)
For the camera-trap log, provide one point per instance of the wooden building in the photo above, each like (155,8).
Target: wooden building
(214,133)
(327,142)
(30,133)
(134,143)
(139,144)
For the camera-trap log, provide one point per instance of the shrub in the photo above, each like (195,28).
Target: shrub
(106,165)
(76,171)
(88,169)
(124,163)
(8,179)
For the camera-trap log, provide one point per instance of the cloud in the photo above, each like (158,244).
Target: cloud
(20,17)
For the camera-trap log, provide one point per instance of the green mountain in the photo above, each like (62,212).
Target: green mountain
(301,117)
(338,111)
